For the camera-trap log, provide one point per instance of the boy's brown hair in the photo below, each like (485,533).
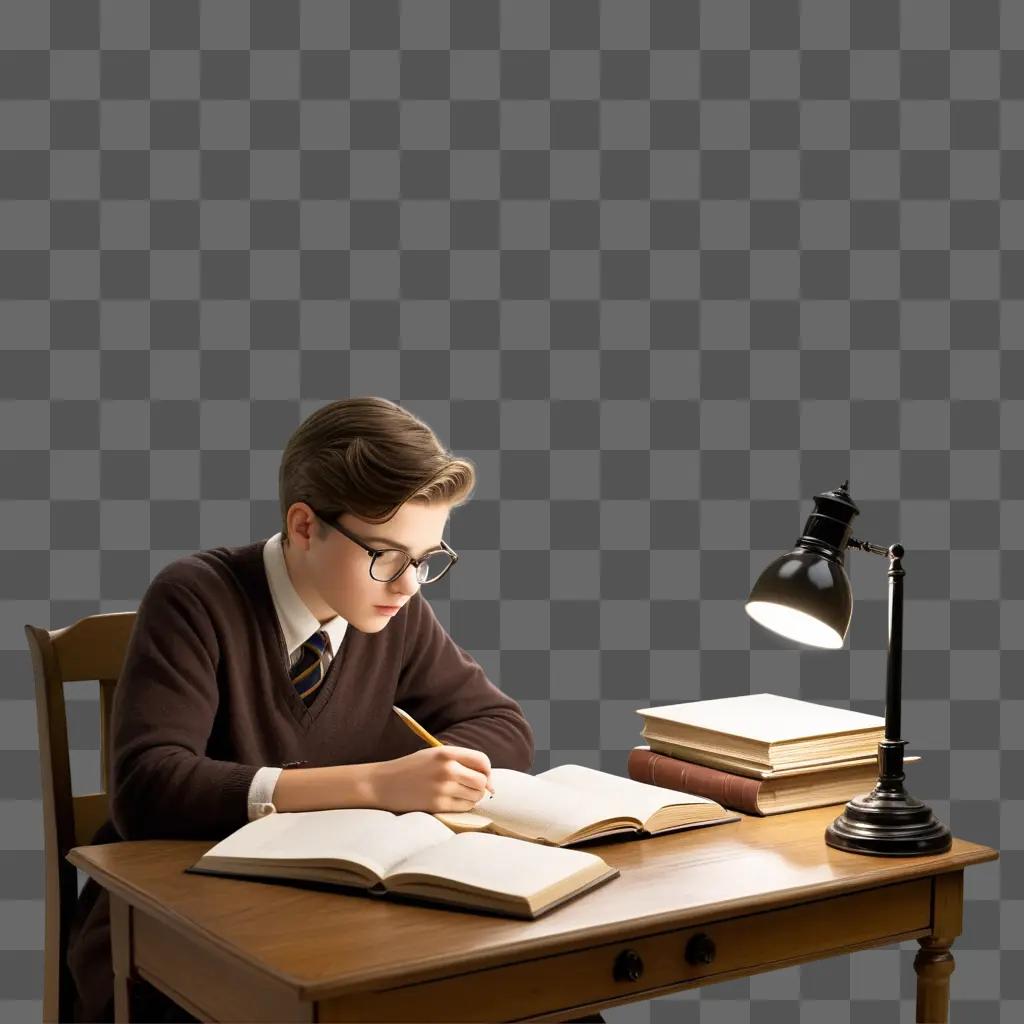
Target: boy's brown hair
(368,456)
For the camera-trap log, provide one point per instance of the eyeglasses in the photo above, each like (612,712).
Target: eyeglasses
(387,564)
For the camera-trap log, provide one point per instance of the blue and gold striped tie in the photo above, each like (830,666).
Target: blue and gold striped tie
(306,673)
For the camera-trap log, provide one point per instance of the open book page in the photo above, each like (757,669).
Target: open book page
(625,797)
(541,809)
(375,840)
(484,863)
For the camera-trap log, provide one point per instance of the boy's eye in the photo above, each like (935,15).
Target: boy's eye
(390,561)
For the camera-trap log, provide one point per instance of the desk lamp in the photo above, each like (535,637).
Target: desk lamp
(805,595)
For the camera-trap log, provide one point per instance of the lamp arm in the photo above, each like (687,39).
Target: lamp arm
(891,751)
(875,549)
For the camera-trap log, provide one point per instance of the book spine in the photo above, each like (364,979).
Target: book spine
(729,790)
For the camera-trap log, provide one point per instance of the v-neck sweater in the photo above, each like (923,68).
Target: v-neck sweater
(205,699)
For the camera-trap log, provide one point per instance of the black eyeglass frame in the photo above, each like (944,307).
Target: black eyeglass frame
(375,552)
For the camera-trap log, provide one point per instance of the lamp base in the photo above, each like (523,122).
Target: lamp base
(888,822)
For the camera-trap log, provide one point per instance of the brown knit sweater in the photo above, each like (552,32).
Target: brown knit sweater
(205,700)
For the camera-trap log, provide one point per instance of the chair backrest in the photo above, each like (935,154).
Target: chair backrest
(91,649)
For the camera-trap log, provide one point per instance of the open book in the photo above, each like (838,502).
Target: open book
(572,803)
(411,855)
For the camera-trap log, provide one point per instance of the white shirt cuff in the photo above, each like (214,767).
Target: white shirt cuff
(261,792)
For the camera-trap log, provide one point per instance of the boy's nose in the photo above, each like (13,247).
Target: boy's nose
(407,582)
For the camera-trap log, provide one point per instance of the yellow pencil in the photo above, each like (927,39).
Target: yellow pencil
(424,735)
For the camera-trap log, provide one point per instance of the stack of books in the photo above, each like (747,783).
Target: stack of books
(759,753)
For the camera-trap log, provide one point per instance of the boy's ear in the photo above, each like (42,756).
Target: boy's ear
(305,523)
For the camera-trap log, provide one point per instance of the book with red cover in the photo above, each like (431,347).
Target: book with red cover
(787,791)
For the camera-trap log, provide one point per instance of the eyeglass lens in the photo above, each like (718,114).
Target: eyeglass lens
(392,563)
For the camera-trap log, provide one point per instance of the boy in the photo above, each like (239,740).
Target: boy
(261,678)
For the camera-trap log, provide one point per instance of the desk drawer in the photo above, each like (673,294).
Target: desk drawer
(654,963)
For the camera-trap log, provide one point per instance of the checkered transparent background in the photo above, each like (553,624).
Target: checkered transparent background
(663,269)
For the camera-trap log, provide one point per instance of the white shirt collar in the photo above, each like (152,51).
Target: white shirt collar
(298,623)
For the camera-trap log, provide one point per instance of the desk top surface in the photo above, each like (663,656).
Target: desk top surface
(322,940)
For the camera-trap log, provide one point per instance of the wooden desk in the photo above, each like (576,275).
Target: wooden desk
(767,892)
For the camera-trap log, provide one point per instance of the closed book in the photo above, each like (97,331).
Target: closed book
(751,769)
(785,791)
(765,731)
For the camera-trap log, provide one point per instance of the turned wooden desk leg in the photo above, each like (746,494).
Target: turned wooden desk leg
(121,955)
(934,964)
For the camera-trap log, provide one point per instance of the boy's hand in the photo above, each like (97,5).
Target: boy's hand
(445,778)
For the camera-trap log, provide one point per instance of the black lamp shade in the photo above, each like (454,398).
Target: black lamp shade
(804,596)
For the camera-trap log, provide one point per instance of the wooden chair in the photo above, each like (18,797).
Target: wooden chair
(91,649)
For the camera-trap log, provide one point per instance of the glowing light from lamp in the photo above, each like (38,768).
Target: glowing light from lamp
(793,624)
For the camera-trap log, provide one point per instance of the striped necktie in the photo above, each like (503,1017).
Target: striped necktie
(306,673)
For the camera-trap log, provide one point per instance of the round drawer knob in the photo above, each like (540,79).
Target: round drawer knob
(628,966)
(700,950)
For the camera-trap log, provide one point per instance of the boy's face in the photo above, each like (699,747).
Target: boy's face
(334,571)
